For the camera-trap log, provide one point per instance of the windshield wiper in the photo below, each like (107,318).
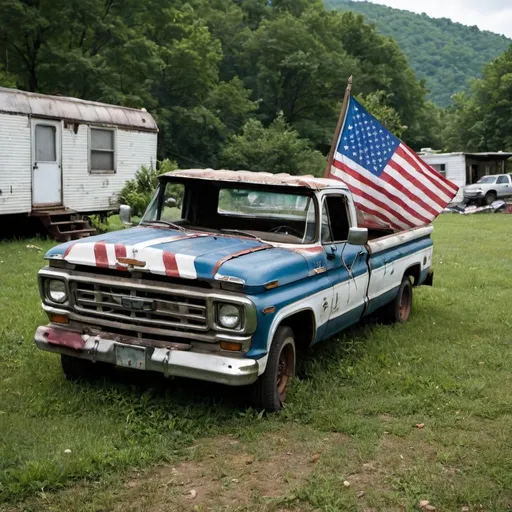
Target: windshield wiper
(240,232)
(167,223)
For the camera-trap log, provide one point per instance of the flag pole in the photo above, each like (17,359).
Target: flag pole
(339,126)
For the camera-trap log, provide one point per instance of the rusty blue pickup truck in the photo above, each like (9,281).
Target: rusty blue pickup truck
(228,276)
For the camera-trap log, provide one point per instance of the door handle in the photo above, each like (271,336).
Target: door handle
(35,166)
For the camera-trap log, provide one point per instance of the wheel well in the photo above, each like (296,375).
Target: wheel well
(492,192)
(415,273)
(303,326)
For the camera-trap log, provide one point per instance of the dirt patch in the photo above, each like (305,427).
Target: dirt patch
(226,473)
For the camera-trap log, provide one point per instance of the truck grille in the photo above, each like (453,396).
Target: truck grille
(148,307)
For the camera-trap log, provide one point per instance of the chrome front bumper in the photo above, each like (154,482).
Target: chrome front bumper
(195,365)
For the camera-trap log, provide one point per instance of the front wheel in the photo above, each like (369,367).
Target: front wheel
(489,198)
(399,310)
(269,391)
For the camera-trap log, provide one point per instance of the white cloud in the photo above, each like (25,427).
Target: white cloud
(493,15)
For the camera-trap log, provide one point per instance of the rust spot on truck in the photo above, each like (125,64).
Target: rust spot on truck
(240,253)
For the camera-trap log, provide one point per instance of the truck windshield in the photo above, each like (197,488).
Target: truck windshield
(263,213)
(487,179)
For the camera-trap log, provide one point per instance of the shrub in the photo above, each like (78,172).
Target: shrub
(138,192)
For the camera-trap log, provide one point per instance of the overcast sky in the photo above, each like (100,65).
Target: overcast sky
(494,15)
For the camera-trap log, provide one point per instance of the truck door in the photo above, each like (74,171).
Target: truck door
(346,265)
(503,186)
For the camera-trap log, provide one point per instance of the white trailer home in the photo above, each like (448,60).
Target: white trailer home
(61,158)
(466,168)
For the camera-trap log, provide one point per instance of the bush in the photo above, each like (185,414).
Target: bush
(138,192)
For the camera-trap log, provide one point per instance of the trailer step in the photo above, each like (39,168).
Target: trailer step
(64,224)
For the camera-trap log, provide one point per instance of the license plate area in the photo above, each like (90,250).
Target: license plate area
(131,357)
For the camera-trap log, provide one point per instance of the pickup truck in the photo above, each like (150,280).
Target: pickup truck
(488,189)
(228,276)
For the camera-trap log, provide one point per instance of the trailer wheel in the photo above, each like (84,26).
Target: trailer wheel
(269,391)
(76,369)
(399,310)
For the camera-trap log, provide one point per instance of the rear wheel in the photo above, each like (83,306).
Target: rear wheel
(75,368)
(399,310)
(269,391)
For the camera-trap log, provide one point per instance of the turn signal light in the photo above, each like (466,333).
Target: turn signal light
(229,345)
(59,319)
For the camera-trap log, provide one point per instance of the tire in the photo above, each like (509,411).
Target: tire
(269,391)
(76,369)
(490,197)
(399,310)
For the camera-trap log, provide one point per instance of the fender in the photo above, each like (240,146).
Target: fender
(314,303)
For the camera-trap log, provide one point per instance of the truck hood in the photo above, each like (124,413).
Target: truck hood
(478,186)
(193,255)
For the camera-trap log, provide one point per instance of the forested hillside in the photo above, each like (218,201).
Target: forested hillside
(447,55)
(248,84)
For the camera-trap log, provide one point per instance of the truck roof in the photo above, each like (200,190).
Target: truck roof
(258,178)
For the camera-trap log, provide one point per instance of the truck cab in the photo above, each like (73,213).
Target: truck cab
(227,277)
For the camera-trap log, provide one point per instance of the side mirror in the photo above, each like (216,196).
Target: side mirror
(125,214)
(357,236)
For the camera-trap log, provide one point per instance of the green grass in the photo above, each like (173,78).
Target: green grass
(449,368)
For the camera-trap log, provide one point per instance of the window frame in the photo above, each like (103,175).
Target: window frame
(505,177)
(347,210)
(90,149)
(54,128)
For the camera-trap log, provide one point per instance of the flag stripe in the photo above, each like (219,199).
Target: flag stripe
(383,192)
(405,160)
(440,180)
(395,183)
(405,171)
(363,206)
(384,208)
(393,178)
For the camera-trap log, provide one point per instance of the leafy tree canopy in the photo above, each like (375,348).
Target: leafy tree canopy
(217,74)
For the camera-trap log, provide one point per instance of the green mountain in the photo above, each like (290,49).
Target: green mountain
(445,54)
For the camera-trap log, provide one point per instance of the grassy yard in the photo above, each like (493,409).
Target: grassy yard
(147,444)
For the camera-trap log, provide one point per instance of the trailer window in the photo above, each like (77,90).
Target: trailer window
(45,143)
(102,144)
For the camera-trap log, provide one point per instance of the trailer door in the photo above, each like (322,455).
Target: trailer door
(46,163)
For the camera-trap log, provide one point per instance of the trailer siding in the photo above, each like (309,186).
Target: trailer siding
(87,192)
(15,164)
(455,168)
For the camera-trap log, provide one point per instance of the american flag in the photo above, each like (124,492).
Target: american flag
(391,185)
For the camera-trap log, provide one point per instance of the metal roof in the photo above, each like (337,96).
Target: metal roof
(13,101)
(258,178)
(490,155)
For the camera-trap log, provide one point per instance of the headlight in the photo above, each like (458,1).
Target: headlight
(56,291)
(229,316)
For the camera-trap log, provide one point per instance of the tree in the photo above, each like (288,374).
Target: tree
(482,121)
(275,149)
